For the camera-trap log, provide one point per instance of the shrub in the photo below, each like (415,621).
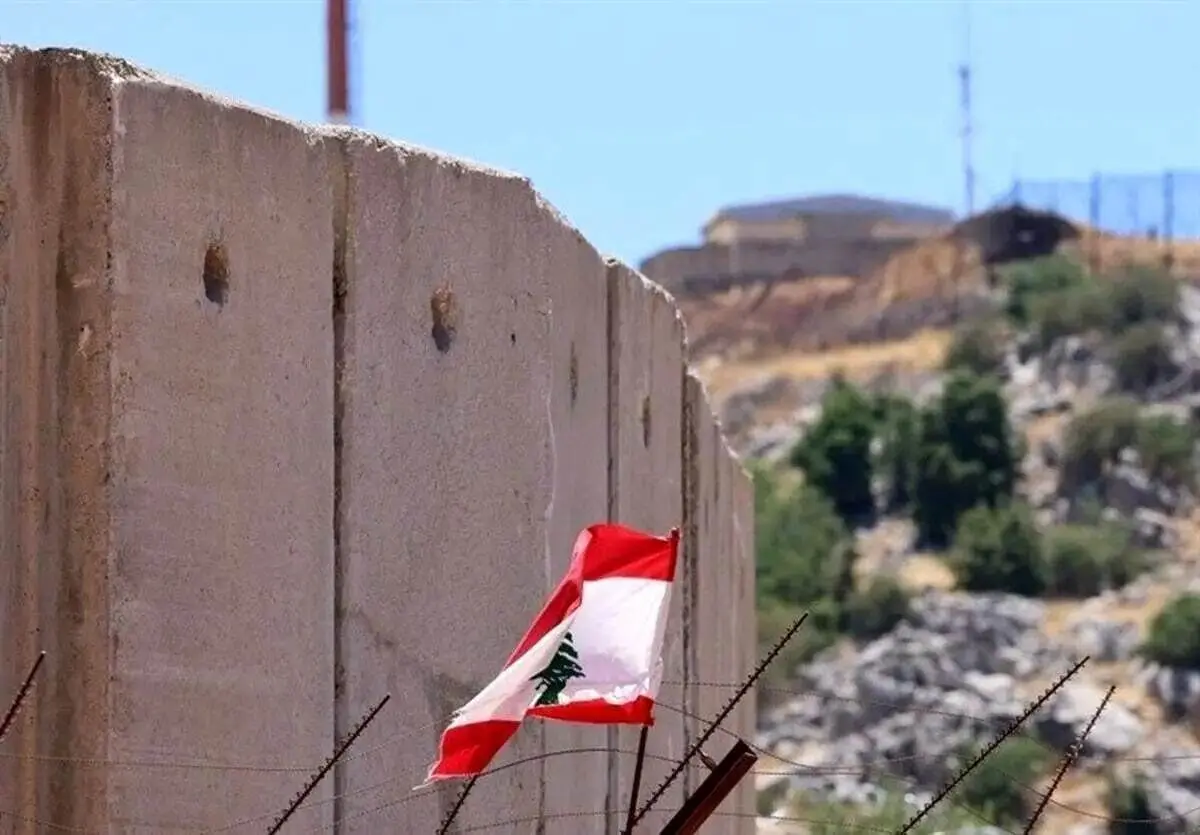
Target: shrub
(875,609)
(1141,358)
(1167,448)
(1094,439)
(999,550)
(835,453)
(1173,638)
(994,787)
(897,421)
(774,618)
(823,817)
(1141,295)
(802,550)
(1036,278)
(1067,312)
(1084,560)
(966,456)
(1129,808)
(977,347)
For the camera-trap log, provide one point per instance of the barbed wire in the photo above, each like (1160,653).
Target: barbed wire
(775,765)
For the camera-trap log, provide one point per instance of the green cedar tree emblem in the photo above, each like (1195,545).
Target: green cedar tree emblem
(563,667)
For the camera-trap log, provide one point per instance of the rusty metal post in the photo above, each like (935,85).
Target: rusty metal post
(337,70)
(716,787)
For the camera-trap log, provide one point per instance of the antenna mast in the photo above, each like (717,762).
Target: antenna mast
(337,69)
(964,82)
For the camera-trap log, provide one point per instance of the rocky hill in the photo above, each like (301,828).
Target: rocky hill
(868,721)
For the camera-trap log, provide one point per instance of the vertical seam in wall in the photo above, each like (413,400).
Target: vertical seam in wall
(340,182)
(612,276)
(689,481)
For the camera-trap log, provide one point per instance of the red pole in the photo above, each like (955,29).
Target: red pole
(337,71)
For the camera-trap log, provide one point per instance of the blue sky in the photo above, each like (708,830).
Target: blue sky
(638,118)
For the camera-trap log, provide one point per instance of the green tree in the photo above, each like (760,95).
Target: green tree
(1094,439)
(804,563)
(967,456)
(898,424)
(1141,295)
(1141,358)
(999,549)
(1167,448)
(835,453)
(1173,638)
(875,609)
(553,678)
(977,347)
(1037,278)
(1084,560)
(1129,808)
(995,786)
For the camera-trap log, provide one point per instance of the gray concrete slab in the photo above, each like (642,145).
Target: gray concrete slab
(446,474)
(646,356)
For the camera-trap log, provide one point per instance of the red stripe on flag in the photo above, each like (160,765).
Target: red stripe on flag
(603,551)
(599,712)
(618,551)
(466,750)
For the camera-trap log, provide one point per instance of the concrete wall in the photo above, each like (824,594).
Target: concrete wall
(292,418)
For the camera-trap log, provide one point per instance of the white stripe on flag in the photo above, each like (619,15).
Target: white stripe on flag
(511,693)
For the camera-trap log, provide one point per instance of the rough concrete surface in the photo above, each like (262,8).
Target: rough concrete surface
(182,568)
(294,419)
(579,423)
(646,361)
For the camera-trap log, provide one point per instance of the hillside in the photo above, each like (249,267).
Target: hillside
(880,716)
(930,285)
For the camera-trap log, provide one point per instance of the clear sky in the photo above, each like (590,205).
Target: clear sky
(638,118)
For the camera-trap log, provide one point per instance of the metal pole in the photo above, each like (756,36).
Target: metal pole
(337,61)
(637,778)
(716,787)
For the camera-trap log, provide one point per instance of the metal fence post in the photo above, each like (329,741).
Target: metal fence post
(1094,209)
(1168,219)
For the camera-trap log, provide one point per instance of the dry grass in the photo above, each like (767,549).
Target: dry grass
(926,571)
(921,352)
(759,317)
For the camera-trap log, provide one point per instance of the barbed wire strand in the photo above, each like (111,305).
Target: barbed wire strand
(741,692)
(19,699)
(811,770)
(202,764)
(328,765)
(932,711)
(1067,761)
(992,746)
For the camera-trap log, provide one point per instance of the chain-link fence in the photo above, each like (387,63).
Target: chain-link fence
(1162,208)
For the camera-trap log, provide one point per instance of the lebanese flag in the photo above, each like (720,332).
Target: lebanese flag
(593,654)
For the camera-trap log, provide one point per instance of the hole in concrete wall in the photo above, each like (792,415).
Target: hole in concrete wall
(646,422)
(512,337)
(443,309)
(216,274)
(573,375)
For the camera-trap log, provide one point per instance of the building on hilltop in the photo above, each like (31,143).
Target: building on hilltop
(833,234)
(841,216)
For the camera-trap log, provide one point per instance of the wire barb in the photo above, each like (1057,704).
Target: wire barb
(15,707)
(1012,728)
(716,723)
(458,804)
(338,751)
(1068,760)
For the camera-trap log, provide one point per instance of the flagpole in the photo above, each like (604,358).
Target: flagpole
(637,778)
